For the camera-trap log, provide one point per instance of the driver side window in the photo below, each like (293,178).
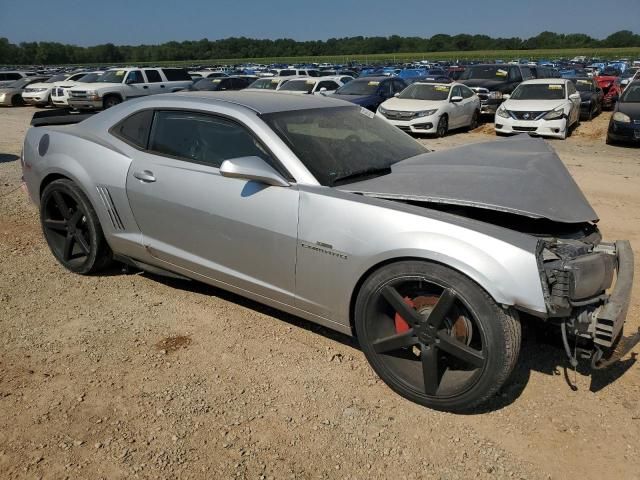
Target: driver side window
(202,138)
(135,76)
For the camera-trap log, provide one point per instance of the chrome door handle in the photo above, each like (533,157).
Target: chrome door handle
(145,176)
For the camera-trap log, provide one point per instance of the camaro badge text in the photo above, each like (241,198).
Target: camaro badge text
(324,248)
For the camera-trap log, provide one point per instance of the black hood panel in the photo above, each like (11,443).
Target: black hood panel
(519,175)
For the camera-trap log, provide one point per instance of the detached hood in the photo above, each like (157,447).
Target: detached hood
(519,175)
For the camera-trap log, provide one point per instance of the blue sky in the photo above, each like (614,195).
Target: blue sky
(84,22)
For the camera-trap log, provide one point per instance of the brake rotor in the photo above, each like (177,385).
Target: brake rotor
(460,328)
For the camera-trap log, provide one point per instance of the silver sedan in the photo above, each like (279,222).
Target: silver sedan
(318,208)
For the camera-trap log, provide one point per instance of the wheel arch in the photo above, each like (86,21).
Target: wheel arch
(505,294)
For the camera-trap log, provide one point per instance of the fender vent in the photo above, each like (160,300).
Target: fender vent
(107,201)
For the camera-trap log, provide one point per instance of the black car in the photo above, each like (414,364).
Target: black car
(624,125)
(492,81)
(222,83)
(591,96)
(370,92)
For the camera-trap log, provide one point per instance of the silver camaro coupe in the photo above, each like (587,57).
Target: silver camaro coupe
(316,207)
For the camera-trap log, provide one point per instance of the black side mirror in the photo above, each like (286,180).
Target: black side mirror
(128,81)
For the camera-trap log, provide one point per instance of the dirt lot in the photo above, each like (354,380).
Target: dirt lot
(134,376)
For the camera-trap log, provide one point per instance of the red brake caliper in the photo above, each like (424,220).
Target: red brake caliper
(401,324)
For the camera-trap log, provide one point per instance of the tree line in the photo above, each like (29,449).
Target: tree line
(52,53)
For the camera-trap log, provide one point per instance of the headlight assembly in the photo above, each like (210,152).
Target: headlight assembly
(502,112)
(381,109)
(426,113)
(555,114)
(621,117)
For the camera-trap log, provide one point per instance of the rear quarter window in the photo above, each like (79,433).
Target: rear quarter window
(134,129)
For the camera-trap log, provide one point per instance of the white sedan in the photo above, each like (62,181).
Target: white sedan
(39,94)
(315,85)
(433,108)
(547,107)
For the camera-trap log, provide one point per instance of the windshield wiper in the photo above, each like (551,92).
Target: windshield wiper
(371,172)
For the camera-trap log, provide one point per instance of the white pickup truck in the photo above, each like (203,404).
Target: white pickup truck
(120,84)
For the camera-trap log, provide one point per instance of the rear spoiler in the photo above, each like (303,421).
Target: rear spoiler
(58,116)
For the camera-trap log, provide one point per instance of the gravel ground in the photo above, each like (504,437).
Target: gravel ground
(133,376)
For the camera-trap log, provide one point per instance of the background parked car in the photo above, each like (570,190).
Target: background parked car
(269,83)
(8,77)
(313,85)
(117,85)
(432,108)
(11,94)
(216,84)
(591,96)
(492,81)
(60,93)
(370,92)
(39,94)
(624,125)
(543,107)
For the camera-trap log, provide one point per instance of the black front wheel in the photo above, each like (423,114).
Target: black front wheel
(443,126)
(111,101)
(434,336)
(72,229)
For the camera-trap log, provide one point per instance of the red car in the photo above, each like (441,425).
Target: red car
(610,89)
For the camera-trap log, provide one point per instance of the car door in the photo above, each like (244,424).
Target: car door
(155,83)
(136,84)
(236,232)
(468,103)
(574,97)
(456,109)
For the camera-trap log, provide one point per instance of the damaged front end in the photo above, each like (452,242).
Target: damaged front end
(587,288)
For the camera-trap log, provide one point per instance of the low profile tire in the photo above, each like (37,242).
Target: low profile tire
(111,101)
(475,120)
(17,101)
(610,141)
(72,229)
(443,126)
(434,336)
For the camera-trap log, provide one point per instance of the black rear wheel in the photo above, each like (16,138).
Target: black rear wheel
(475,119)
(17,101)
(72,229)
(434,336)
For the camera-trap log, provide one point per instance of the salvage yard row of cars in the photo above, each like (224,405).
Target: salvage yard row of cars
(537,99)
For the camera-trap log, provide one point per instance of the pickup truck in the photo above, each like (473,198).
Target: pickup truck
(490,82)
(120,84)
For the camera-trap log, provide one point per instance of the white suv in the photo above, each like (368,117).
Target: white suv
(119,84)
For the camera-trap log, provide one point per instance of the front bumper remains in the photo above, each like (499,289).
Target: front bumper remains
(611,317)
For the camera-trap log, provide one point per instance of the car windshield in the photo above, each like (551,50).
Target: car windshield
(112,76)
(584,85)
(485,72)
(265,84)
(343,144)
(298,86)
(539,91)
(629,72)
(57,78)
(359,87)
(421,91)
(89,77)
(631,94)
